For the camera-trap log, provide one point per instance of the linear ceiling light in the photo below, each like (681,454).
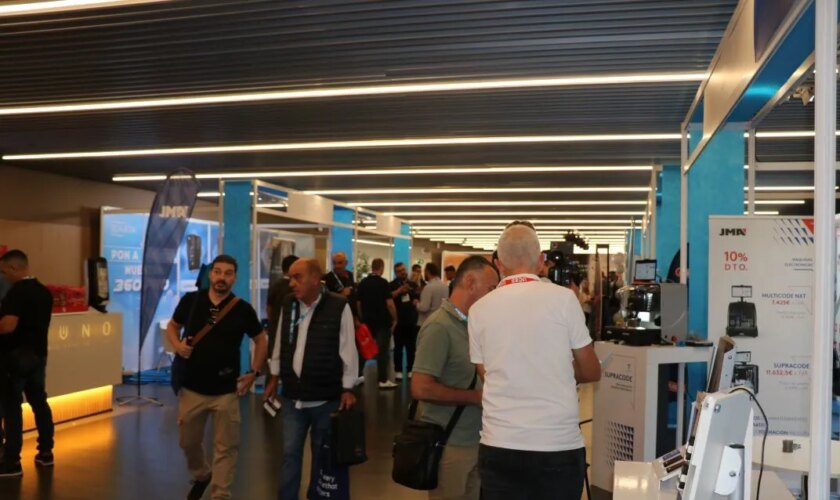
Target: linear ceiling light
(45,7)
(322,93)
(394,171)
(519,213)
(421,203)
(500,228)
(484,190)
(360,144)
(778,202)
(504,222)
(371,242)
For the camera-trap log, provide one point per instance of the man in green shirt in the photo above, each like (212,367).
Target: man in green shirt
(442,377)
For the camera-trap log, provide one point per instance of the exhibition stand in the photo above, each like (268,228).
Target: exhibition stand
(85,355)
(630,412)
(768,282)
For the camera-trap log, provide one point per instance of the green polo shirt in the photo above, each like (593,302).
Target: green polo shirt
(443,351)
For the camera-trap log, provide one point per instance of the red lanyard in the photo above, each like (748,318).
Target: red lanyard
(516,279)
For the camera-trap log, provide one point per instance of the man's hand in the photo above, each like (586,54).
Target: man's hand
(244,383)
(270,389)
(347,291)
(183,350)
(348,401)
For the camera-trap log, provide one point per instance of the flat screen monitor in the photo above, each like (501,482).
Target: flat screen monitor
(645,270)
(741,291)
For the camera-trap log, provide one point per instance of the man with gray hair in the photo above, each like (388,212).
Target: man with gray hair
(530,343)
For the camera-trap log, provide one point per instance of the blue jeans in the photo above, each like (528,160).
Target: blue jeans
(535,475)
(296,424)
(32,382)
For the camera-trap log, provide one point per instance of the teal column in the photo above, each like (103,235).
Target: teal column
(402,247)
(341,238)
(667,218)
(236,241)
(715,187)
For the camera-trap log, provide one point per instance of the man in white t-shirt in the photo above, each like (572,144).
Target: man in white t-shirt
(531,345)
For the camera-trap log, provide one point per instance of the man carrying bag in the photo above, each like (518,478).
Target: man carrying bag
(440,452)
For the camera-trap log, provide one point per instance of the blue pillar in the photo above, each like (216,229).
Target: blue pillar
(667,218)
(236,241)
(402,247)
(341,238)
(715,187)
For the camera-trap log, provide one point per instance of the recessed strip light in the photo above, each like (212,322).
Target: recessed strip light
(421,203)
(375,243)
(361,144)
(324,93)
(500,228)
(764,212)
(483,190)
(778,202)
(521,213)
(338,172)
(29,8)
(506,221)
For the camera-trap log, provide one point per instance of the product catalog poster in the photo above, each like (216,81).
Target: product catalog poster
(123,236)
(761,287)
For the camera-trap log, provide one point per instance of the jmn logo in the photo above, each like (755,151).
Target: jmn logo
(733,231)
(174,211)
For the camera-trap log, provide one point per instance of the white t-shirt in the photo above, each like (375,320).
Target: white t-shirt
(524,333)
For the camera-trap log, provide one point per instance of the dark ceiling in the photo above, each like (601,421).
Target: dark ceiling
(215,46)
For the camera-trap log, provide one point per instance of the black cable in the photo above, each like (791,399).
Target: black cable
(763,441)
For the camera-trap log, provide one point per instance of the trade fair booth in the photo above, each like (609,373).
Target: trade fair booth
(754,356)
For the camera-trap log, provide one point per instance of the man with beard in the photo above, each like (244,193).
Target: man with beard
(212,378)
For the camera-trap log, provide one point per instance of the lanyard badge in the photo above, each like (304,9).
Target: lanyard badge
(516,279)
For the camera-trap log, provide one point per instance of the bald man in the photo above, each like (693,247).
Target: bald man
(340,281)
(315,357)
(531,445)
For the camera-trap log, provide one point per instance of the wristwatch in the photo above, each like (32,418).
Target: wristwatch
(256,373)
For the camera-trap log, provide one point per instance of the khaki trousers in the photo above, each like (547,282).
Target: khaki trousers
(458,475)
(193,410)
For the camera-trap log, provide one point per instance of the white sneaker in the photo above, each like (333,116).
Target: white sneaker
(387,385)
(398,376)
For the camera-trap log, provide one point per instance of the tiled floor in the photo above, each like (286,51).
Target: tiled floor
(134,454)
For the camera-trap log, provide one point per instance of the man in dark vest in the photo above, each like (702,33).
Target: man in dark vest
(315,357)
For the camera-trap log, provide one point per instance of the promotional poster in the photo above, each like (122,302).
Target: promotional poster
(123,235)
(761,287)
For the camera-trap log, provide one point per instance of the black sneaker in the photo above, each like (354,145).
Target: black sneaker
(44,460)
(10,470)
(198,488)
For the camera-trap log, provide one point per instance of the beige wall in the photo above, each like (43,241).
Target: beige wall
(55,219)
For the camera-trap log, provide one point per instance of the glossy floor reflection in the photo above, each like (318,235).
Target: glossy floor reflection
(133,454)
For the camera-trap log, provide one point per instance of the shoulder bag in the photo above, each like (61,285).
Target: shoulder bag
(179,364)
(418,449)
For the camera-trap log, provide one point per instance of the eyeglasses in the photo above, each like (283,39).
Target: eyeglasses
(521,223)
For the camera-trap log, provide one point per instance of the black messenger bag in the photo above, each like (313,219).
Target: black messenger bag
(418,449)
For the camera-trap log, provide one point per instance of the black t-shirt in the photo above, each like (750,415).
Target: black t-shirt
(374,293)
(276,293)
(406,310)
(336,282)
(31,302)
(213,367)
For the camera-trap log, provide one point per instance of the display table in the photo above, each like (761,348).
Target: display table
(796,461)
(638,481)
(84,363)
(627,412)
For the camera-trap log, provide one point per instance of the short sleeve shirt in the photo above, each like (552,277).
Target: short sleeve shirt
(373,294)
(406,310)
(31,302)
(443,352)
(214,365)
(524,334)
